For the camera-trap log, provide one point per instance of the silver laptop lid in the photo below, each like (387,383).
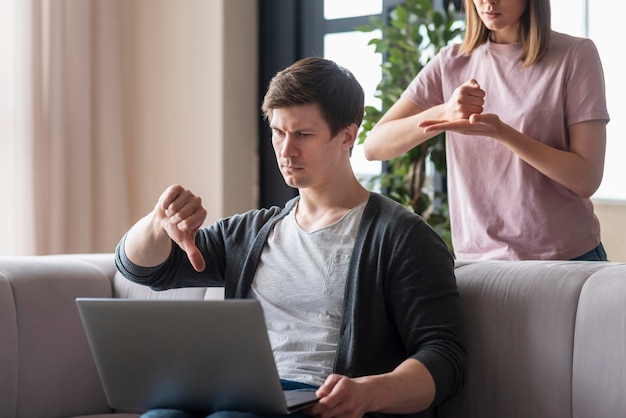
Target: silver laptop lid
(184,354)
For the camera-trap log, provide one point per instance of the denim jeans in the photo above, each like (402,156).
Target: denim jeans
(174,413)
(597,254)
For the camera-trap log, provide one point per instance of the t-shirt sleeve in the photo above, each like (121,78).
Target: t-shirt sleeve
(585,92)
(426,89)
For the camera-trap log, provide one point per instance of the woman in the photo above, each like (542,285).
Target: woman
(525,112)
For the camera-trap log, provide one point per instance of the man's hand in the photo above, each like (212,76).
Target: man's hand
(180,213)
(340,396)
(408,389)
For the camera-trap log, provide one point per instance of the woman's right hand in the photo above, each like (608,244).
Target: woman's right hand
(466,100)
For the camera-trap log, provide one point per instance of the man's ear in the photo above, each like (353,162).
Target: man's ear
(350,135)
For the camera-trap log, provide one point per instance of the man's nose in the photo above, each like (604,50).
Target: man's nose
(288,148)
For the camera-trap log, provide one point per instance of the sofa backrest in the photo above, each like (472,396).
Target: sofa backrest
(123,288)
(545,339)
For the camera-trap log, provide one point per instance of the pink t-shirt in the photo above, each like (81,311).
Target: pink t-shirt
(501,207)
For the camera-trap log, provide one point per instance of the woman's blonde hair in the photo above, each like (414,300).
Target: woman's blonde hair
(534,30)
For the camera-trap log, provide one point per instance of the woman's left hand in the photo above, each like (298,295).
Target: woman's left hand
(484,124)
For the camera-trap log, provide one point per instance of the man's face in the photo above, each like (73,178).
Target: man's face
(306,153)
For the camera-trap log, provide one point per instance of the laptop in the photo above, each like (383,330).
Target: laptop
(192,355)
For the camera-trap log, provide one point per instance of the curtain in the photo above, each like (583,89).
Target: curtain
(63,154)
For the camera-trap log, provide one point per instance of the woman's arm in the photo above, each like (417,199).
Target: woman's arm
(397,131)
(579,169)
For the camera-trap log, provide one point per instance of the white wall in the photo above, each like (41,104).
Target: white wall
(612,216)
(190,69)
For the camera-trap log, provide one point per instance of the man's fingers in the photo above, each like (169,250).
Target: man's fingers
(179,204)
(196,260)
(193,254)
(181,214)
(170,195)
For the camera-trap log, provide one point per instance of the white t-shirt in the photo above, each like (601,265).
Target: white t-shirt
(501,207)
(300,282)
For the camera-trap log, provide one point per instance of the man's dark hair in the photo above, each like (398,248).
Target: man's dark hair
(317,81)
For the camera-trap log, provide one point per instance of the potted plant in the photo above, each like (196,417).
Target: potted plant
(412,35)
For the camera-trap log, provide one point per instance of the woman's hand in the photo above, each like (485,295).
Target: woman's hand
(487,124)
(466,100)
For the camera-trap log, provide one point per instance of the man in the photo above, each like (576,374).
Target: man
(359,294)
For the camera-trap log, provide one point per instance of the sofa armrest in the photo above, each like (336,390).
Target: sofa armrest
(54,373)
(8,348)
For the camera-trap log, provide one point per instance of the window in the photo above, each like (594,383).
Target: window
(8,124)
(334,9)
(599,20)
(350,49)
(605,19)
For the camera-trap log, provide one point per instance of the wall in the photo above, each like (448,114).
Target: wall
(190,97)
(612,216)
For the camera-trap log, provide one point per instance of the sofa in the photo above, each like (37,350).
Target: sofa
(545,339)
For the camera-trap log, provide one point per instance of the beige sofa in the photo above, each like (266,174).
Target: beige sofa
(544,339)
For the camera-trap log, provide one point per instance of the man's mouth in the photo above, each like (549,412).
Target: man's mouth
(291,167)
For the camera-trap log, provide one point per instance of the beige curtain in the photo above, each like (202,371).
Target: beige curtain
(68,177)
(110,102)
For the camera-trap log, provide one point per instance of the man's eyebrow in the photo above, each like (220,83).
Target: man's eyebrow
(296,130)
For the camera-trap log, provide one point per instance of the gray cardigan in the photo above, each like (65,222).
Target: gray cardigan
(401,298)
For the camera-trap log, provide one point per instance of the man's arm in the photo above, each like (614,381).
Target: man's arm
(177,216)
(407,389)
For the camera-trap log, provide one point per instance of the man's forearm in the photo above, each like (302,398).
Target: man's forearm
(147,244)
(410,388)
